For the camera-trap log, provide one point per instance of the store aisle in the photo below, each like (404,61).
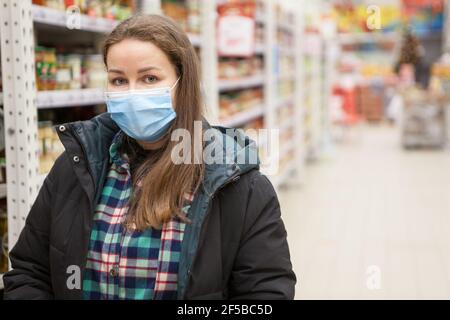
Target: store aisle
(372,204)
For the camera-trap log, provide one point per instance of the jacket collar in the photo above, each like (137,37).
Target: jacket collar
(95,136)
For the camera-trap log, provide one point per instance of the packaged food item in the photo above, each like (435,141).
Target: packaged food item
(41,68)
(186,13)
(232,68)
(238,101)
(94,8)
(74,63)
(95,74)
(45,141)
(55,4)
(50,67)
(63,74)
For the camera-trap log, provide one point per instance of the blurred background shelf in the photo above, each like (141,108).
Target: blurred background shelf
(243,83)
(69,98)
(59,18)
(243,117)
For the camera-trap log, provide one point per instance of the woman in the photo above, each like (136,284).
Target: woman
(117,218)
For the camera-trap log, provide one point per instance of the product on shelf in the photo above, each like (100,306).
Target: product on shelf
(234,68)
(259,34)
(238,101)
(285,39)
(286,88)
(286,65)
(56,71)
(50,147)
(424,17)
(46,68)
(254,124)
(353,18)
(94,71)
(371,101)
(109,9)
(284,114)
(63,74)
(287,17)
(185,12)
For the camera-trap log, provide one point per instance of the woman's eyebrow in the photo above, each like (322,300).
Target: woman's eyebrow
(139,71)
(149,68)
(116,71)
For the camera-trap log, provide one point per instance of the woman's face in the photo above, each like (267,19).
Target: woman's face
(136,65)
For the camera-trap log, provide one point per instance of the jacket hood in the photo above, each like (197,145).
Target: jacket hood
(228,152)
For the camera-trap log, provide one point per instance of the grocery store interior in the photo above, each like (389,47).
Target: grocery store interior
(358,91)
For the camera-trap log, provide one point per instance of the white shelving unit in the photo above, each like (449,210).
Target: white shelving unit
(21,100)
(244,117)
(54,17)
(312,93)
(287,24)
(69,98)
(242,83)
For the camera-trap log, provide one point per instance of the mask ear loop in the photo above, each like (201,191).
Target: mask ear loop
(176,82)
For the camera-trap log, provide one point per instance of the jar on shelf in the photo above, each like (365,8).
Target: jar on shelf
(74,62)
(63,74)
(50,67)
(41,68)
(95,71)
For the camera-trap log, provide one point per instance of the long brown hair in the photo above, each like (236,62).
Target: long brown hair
(160,186)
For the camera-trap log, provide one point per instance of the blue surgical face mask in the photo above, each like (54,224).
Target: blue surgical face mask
(144,115)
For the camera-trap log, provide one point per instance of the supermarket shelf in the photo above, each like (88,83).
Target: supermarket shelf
(288,146)
(259,48)
(286,76)
(284,102)
(286,51)
(54,17)
(287,124)
(259,18)
(242,83)
(69,98)
(3,190)
(367,37)
(243,117)
(285,26)
(58,18)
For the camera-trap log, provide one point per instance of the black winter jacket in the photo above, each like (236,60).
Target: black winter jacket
(235,248)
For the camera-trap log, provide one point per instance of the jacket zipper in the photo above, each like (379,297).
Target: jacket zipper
(83,266)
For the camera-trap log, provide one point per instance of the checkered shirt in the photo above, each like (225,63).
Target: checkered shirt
(130,264)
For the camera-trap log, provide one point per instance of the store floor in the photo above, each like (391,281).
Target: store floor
(371,211)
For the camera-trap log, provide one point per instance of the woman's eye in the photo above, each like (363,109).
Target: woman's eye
(150,79)
(118,81)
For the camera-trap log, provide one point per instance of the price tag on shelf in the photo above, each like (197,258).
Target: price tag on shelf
(236,36)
